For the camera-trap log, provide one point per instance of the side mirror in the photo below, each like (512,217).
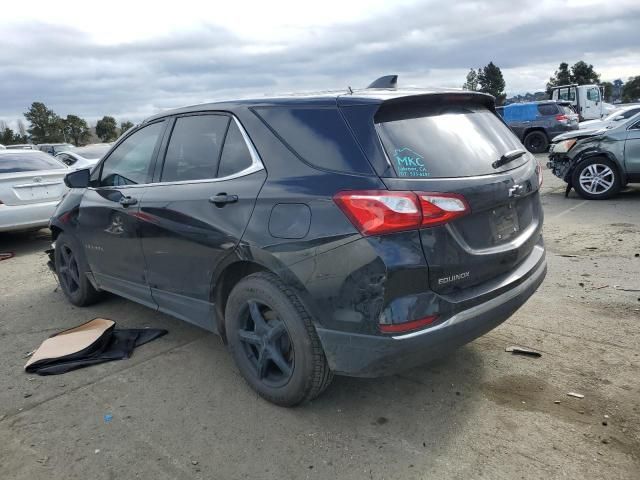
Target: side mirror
(78,179)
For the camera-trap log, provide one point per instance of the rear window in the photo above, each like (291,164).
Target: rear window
(567,110)
(454,141)
(547,109)
(28,162)
(319,136)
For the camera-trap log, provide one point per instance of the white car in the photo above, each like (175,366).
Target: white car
(618,115)
(31,185)
(84,157)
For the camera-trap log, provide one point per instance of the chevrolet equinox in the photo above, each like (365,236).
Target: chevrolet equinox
(354,233)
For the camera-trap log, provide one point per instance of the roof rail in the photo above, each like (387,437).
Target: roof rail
(388,81)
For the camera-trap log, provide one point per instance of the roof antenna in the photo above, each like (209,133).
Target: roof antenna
(350,89)
(388,81)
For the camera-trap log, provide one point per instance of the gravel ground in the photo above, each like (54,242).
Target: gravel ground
(181,410)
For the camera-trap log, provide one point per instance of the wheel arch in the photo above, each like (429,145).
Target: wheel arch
(535,129)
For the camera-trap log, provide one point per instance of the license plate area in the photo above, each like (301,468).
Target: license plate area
(504,224)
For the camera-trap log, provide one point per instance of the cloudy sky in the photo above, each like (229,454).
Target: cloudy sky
(138,58)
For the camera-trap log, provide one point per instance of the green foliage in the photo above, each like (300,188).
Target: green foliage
(107,129)
(124,126)
(76,129)
(608,91)
(9,137)
(472,81)
(46,126)
(580,73)
(631,90)
(491,81)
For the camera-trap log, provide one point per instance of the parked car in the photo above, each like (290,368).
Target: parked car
(84,157)
(535,123)
(2,147)
(22,146)
(355,233)
(619,115)
(53,148)
(598,163)
(31,185)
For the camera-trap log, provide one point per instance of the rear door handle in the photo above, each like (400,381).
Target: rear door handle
(222,199)
(128,201)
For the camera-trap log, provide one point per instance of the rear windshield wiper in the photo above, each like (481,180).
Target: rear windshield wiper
(508,157)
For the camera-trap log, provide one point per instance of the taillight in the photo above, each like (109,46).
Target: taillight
(407,326)
(562,118)
(375,212)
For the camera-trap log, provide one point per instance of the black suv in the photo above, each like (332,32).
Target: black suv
(536,123)
(357,233)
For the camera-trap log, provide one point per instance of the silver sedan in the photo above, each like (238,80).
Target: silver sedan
(31,185)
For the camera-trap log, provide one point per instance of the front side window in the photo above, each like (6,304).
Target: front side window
(593,95)
(194,148)
(235,155)
(130,162)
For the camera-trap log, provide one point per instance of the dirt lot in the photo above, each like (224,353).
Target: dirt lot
(181,410)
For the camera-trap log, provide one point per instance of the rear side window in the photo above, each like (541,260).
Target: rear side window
(441,142)
(28,162)
(194,148)
(547,109)
(568,110)
(319,136)
(235,153)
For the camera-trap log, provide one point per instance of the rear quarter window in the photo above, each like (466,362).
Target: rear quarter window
(317,135)
(546,109)
(447,142)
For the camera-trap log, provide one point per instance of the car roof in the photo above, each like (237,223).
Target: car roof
(322,98)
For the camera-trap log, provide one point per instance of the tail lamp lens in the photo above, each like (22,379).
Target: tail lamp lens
(407,326)
(375,212)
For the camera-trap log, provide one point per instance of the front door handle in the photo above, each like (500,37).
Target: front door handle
(222,199)
(128,201)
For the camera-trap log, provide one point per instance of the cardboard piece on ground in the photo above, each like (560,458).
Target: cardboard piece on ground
(71,341)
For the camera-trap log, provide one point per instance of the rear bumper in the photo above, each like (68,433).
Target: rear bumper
(24,217)
(371,355)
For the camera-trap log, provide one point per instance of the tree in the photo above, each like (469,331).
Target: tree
(631,90)
(76,129)
(107,129)
(608,91)
(491,81)
(46,126)
(124,126)
(580,73)
(6,135)
(584,74)
(562,76)
(22,129)
(472,80)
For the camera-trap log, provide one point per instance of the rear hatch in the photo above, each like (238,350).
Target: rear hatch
(30,177)
(447,144)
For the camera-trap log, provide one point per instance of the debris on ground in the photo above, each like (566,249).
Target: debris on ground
(6,255)
(108,417)
(601,287)
(623,289)
(576,395)
(566,255)
(523,351)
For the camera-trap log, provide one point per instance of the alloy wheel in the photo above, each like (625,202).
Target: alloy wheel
(266,344)
(68,270)
(597,179)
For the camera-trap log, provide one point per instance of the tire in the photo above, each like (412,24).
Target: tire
(71,268)
(607,184)
(273,341)
(536,142)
